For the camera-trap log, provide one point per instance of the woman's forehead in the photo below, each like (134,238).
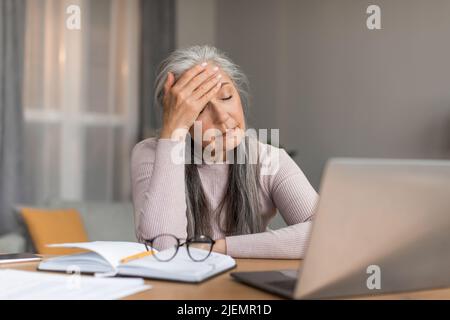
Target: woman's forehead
(226,80)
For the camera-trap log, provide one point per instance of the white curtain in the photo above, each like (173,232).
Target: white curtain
(80,98)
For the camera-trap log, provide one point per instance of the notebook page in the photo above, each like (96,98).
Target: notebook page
(25,285)
(87,262)
(111,251)
(180,267)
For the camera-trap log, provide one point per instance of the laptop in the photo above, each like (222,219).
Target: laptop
(381,226)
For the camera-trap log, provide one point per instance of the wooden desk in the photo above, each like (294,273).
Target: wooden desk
(219,287)
(225,287)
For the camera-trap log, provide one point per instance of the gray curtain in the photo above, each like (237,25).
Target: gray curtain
(12,22)
(157,41)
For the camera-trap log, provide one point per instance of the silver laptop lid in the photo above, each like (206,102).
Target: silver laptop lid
(381,226)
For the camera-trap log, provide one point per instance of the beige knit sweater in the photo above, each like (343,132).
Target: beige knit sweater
(160,204)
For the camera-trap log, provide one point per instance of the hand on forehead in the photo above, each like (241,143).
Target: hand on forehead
(211,67)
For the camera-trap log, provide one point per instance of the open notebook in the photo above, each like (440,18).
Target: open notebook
(104,258)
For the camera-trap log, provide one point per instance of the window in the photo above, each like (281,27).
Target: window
(80,97)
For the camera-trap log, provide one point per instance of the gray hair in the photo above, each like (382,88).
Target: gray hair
(240,202)
(181,60)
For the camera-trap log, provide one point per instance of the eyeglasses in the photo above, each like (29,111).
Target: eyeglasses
(198,248)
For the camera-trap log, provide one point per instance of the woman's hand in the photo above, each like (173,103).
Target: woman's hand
(184,100)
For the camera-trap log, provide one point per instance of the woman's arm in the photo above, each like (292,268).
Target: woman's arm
(158,189)
(158,172)
(296,200)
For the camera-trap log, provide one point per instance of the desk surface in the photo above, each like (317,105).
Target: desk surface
(225,287)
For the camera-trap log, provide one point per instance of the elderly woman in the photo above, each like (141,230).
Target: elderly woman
(230,202)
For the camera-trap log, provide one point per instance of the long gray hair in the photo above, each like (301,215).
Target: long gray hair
(240,202)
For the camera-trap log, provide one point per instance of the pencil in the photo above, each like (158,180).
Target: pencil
(136,256)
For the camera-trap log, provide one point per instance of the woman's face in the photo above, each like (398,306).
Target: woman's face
(222,120)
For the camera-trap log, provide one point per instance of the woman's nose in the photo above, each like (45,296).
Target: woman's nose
(220,116)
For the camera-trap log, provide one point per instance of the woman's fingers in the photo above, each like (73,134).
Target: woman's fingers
(200,87)
(200,78)
(188,75)
(206,87)
(209,95)
(169,82)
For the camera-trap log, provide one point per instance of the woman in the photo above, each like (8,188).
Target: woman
(231,203)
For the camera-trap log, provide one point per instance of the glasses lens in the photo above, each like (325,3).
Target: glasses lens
(199,248)
(166,245)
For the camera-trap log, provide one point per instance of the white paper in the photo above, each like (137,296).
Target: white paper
(25,285)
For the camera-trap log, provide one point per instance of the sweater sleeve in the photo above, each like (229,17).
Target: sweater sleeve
(157,174)
(295,199)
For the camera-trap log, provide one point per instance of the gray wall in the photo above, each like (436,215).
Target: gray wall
(333,87)
(196,22)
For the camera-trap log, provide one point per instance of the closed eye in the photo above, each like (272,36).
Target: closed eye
(227,98)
